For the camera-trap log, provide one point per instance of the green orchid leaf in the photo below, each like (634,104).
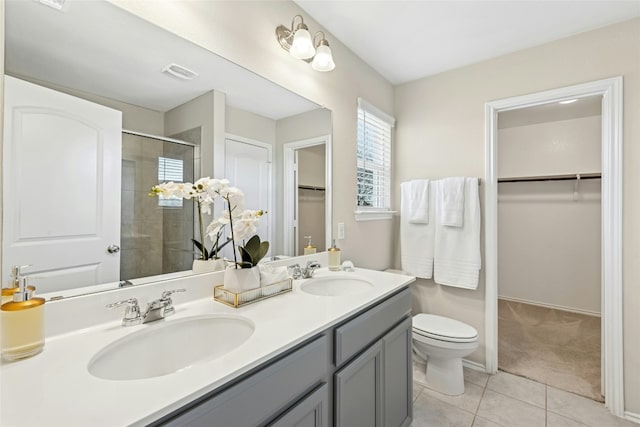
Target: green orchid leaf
(253,245)
(246,257)
(261,252)
(201,248)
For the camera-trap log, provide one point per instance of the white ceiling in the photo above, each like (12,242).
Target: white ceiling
(408,40)
(98,48)
(551,112)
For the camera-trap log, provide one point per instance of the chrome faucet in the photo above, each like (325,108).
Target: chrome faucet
(156,309)
(306,272)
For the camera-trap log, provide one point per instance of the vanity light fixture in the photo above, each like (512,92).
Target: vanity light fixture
(298,42)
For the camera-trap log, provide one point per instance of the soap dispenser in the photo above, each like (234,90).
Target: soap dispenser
(309,249)
(22,324)
(14,283)
(334,257)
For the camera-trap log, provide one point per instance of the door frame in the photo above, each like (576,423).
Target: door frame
(611,230)
(271,208)
(289,194)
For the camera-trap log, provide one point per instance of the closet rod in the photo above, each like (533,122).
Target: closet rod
(553,178)
(311,187)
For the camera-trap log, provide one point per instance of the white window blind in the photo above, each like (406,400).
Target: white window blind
(374,158)
(170,170)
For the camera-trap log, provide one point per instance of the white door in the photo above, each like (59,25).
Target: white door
(61,171)
(248,167)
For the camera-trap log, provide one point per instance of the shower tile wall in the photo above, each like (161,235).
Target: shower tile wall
(177,224)
(154,240)
(141,233)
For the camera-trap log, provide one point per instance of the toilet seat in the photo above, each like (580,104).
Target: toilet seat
(443,329)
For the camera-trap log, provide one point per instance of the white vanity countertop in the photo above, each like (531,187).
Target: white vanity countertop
(54,388)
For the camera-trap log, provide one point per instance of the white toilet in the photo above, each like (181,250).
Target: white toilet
(443,342)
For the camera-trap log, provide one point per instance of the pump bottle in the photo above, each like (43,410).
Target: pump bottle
(22,331)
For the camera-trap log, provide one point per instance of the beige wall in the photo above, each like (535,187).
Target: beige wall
(311,166)
(134,118)
(250,125)
(311,203)
(552,148)
(442,118)
(197,113)
(214,26)
(548,243)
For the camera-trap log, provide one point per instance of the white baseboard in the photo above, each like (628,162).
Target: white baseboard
(557,307)
(632,416)
(473,365)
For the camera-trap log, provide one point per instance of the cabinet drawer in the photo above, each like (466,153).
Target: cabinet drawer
(359,332)
(313,411)
(263,395)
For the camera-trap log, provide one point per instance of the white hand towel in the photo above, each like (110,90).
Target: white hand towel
(419,202)
(451,201)
(416,240)
(457,249)
(270,275)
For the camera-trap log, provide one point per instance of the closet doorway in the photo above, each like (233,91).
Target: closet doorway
(611,225)
(549,229)
(307,194)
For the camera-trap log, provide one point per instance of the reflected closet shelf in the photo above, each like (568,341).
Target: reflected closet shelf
(563,177)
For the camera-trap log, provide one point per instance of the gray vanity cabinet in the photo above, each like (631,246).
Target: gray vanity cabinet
(313,411)
(257,399)
(358,390)
(398,375)
(357,373)
(375,389)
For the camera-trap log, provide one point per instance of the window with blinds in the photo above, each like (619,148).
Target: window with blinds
(374,158)
(170,170)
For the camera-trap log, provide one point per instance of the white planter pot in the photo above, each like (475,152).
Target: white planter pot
(241,279)
(208,265)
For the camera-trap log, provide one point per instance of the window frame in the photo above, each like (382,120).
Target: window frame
(172,202)
(371,213)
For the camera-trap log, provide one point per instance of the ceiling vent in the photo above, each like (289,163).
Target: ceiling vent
(180,72)
(56,4)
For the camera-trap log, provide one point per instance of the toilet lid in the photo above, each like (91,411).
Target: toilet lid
(443,328)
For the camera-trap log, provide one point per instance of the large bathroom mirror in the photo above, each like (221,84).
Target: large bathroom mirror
(185,113)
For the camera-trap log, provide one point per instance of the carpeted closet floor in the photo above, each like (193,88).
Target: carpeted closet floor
(553,347)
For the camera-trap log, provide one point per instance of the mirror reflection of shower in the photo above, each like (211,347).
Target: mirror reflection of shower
(156,233)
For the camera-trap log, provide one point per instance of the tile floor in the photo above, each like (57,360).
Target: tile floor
(506,400)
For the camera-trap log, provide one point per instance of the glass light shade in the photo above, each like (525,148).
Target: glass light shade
(323,61)
(302,47)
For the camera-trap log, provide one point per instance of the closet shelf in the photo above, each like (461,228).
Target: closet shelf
(564,177)
(311,187)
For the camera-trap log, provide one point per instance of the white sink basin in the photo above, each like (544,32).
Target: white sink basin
(170,346)
(337,284)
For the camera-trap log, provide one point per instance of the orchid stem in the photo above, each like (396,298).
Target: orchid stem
(202,256)
(235,259)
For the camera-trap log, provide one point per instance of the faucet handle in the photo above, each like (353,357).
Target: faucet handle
(167,294)
(166,297)
(313,264)
(296,272)
(132,313)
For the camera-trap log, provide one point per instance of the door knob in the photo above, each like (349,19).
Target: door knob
(113,249)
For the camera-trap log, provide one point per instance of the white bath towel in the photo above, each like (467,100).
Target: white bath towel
(457,249)
(419,202)
(451,201)
(416,240)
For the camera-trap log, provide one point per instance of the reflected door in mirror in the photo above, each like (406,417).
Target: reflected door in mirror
(248,167)
(61,170)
